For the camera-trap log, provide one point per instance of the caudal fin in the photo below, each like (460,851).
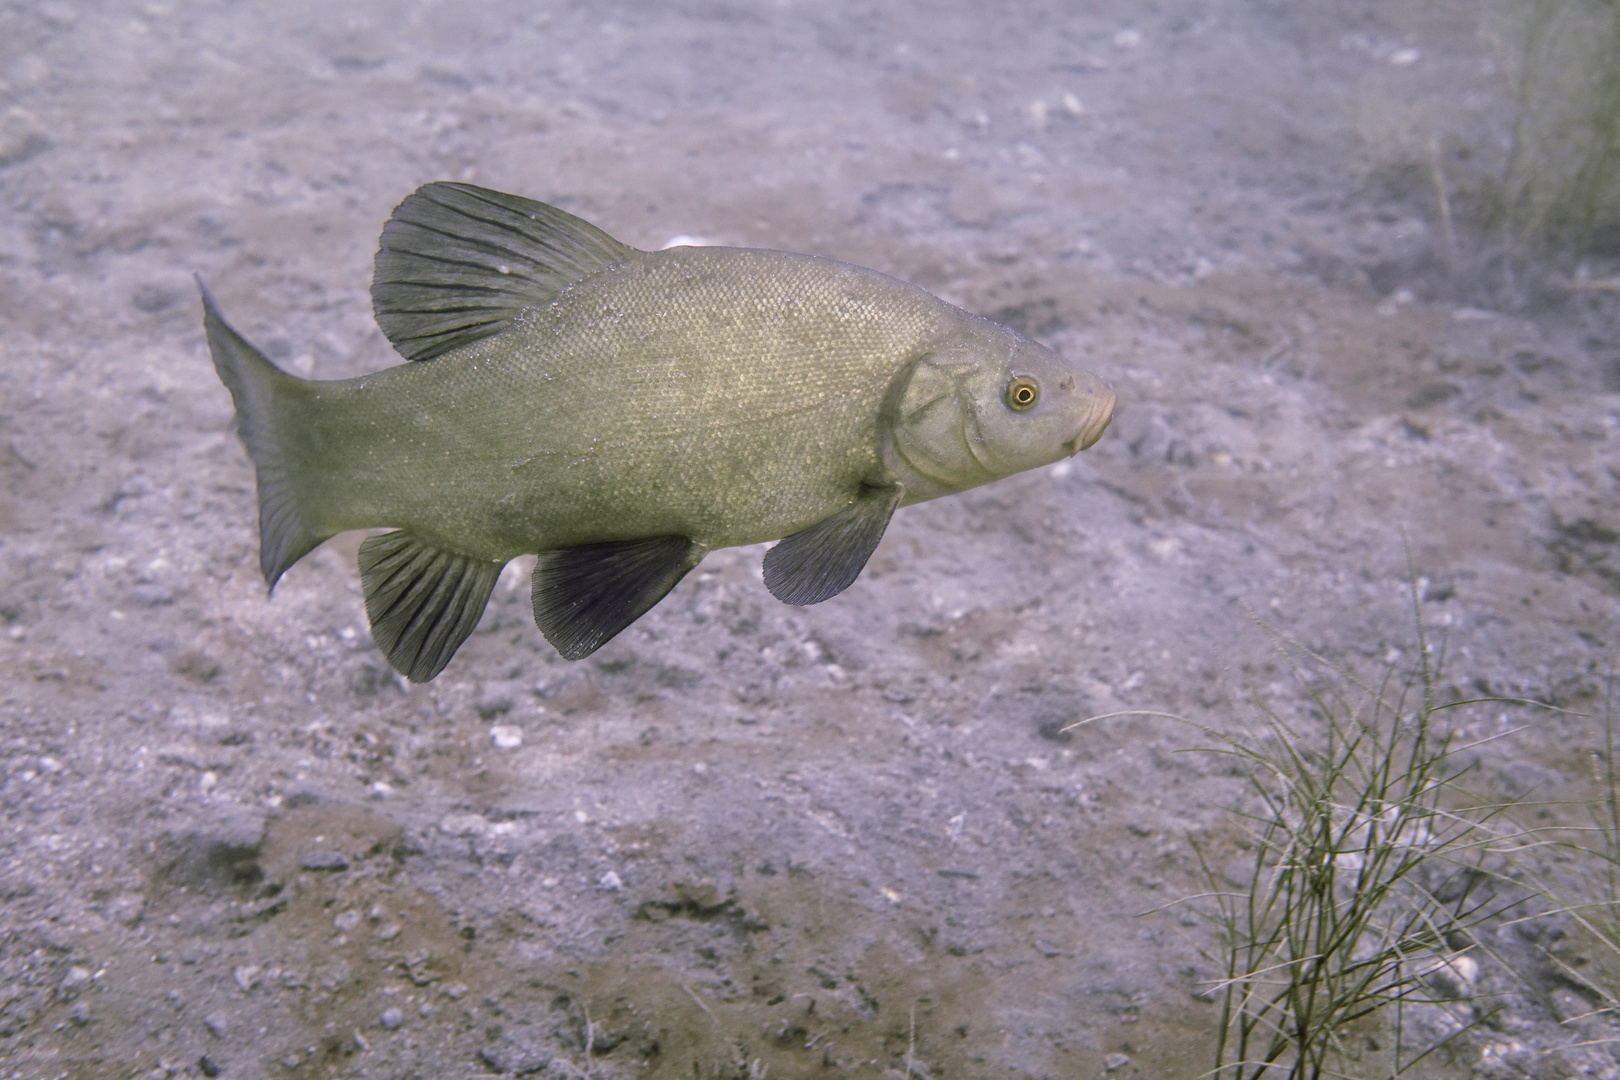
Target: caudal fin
(262,393)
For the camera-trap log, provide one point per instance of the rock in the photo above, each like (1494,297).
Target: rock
(247,976)
(463,825)
(220,848)
(1116,1062)
(506,736)
(1454,978)
(497,698)
(207,1066)
(518,1050)
(391,1018)
(323,860)
(218,1023)
(126,910)
(74,981)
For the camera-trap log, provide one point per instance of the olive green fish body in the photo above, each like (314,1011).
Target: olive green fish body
(621,413)
(721,394)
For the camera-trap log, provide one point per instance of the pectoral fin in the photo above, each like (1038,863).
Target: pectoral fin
(822,561)
(422,601)
(585,595)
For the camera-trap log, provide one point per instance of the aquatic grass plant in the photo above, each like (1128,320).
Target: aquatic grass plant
(1563,179)
(1369,871)
(1371,867)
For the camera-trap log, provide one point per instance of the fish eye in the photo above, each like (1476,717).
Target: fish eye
(1022,393)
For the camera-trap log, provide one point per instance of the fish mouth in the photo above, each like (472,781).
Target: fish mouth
(1096,422)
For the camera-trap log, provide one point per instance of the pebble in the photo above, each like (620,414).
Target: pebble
(76,977)
(392,1018)
(1455,978)
(462,825)
(347,921)
(506,736)
(497,698)
(517,1050)
(324,860)
(207,1066)
(1116,1062)
(247,976)
(610,881)
(218,1023)
(127,910)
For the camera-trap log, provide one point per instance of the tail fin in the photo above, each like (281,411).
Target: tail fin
(258,387)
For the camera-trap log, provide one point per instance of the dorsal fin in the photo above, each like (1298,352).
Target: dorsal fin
(457,261)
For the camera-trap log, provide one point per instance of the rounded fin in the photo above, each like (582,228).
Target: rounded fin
(422,601)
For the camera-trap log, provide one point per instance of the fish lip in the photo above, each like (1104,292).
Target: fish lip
(1095,424)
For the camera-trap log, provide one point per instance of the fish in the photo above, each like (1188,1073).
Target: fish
(621,413)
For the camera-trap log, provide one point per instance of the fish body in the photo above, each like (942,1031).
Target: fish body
(568,428)
(621,413)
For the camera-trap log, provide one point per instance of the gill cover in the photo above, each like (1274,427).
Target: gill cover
(989,403)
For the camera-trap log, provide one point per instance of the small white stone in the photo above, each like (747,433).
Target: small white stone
(1405,57)
(610,881)
(1116,1062)
(700,767)
(392,1018)
(506,736)
(247,976)
(347,921)
(208,782)
(1072,106)
(1127,39)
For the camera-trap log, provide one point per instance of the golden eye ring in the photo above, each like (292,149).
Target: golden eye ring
(1022,394)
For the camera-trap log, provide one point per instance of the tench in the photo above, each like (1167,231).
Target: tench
(622,413)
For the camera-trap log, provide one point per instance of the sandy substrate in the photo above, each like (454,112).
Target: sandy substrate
(848,840)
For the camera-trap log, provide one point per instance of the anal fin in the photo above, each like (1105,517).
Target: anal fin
(422,601)
(585,595)
(818,563)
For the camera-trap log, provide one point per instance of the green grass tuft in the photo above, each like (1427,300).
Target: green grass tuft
(1371,869)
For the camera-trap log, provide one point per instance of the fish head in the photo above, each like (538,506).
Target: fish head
(987,403)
